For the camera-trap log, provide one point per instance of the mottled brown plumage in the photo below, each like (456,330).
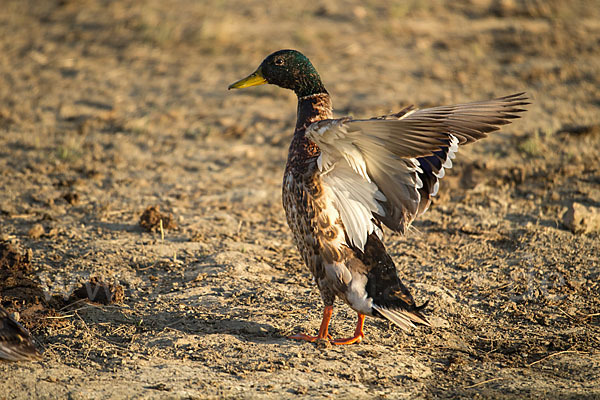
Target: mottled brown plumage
(15,341)
(346,178)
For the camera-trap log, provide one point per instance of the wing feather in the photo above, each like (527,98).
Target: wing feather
(356,200)
(15,340)
(387,168)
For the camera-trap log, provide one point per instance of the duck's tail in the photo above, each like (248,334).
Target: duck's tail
(402,318)
(391,299)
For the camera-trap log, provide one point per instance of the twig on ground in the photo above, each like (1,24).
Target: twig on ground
(586,316)
(552,355)
(72,304)
(482,383)
(60,316)
(567,314)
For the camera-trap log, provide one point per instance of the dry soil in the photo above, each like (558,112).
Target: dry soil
(110,107)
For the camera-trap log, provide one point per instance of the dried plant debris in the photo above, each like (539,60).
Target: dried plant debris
(15,341)
(152,217)
(20,291)
(16,283)
(99,291)
(11,259)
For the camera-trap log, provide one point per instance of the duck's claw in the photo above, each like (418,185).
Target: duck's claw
(309,338)
(358,333)
(324,335)
(352,340)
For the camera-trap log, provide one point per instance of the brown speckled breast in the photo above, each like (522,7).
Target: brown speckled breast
(304,201)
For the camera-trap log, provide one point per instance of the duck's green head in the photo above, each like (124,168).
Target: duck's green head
(288,69)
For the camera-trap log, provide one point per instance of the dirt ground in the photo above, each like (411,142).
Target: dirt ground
(109,107)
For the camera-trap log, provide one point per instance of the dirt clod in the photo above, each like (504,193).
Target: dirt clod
(12,260)
(99,291)
(152,217)
(36,231)
(72,198)
(20,291)
(582,219)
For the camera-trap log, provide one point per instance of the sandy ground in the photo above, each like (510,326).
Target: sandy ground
(107,108)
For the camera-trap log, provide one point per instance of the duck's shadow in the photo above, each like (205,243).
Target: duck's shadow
(211,324)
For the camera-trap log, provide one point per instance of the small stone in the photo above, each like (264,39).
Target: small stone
(323,344)
(360,12)
(582,219)
(71,198)
(36,231)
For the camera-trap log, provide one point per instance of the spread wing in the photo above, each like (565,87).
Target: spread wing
(386,169)
(15,341)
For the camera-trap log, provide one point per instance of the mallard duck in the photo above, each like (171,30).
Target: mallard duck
(15,340)
(346,178)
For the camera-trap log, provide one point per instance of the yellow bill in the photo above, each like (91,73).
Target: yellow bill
(254,79)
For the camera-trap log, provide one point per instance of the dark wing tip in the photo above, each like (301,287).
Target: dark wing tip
(418,318)
(20,353)
(515,100)
(417,312)
(15,341)
(514,96)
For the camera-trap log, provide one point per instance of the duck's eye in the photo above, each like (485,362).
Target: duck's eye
(279,61)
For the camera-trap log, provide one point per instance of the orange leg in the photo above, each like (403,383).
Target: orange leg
(358,333)
(323,334)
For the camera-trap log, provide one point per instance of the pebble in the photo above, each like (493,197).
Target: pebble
(582,219)
(36,231)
